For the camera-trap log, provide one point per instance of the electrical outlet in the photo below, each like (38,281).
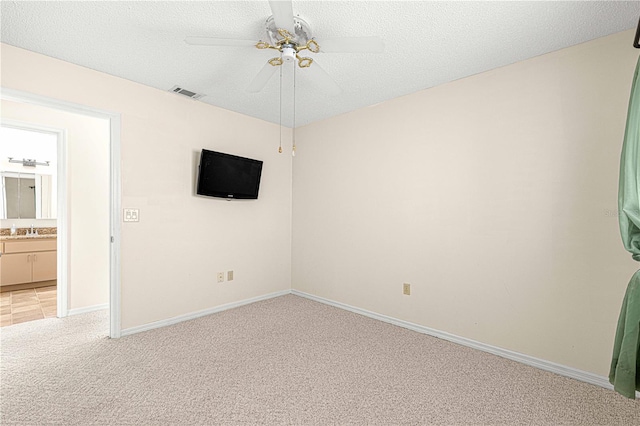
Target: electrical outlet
(229,275)
(220,277)
(406,289)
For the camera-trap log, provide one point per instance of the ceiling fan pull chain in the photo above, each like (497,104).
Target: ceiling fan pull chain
(293,150)
(280,147)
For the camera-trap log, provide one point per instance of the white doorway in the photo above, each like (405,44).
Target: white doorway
(69,299)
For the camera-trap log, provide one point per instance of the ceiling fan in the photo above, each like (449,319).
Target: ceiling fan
(291,36)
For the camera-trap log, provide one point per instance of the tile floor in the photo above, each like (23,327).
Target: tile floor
(27,305)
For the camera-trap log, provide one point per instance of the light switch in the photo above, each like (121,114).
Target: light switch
(131,215)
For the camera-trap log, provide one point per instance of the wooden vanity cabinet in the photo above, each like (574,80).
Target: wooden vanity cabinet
(45,266)
(28,261)
(16,269)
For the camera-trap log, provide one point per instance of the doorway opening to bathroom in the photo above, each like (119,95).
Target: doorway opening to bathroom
(88,203)
(28,204)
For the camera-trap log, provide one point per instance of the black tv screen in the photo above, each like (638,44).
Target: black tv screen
(228,176)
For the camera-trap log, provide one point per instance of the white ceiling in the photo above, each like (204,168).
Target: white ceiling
(427,43)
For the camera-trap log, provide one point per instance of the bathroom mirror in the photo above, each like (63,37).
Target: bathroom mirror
(27,196)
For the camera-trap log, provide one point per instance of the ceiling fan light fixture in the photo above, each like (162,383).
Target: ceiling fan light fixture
(304,62)
(313,46)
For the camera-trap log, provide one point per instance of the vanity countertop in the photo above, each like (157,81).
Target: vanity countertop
(25,237)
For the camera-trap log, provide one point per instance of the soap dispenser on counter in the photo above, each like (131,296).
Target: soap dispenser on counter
(13,229)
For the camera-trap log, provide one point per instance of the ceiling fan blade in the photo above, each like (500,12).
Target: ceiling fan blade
(322,78)
(283,14)
(261,79)
(372,44)
(212,41)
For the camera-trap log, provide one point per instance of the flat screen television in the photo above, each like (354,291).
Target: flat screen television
(228,176)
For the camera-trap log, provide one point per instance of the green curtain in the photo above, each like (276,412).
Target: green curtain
(625,364)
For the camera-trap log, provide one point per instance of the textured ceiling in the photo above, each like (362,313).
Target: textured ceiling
(427,43)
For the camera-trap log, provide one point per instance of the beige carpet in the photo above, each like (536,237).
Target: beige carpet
(287,360)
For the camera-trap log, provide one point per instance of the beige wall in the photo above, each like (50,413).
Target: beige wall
(170,258)
(493,196)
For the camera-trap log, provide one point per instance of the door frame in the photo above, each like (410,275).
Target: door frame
(114,119)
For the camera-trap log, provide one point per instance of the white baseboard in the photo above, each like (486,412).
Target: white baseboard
(87,309)
(562,370)
(198,314)
(542,364)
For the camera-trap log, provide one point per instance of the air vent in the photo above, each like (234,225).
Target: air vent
(184,92)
